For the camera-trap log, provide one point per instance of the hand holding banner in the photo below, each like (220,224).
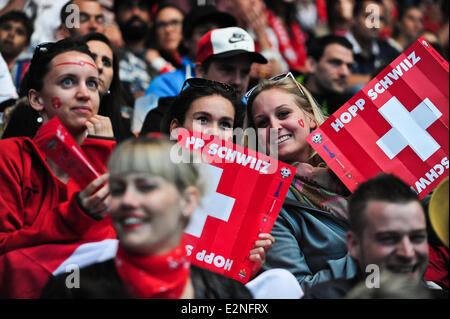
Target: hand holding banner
(245,195)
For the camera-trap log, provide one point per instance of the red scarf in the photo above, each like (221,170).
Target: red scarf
(291,47)
(157,277)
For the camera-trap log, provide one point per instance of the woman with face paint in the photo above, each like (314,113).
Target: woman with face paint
(40,203)
(152,200)
(25,121)
(311,227)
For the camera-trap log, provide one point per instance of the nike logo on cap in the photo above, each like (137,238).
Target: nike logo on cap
(237,37)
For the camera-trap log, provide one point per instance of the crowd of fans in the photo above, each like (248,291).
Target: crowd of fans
(121,75)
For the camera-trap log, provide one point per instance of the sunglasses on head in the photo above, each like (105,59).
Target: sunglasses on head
(44,47)
(204,83)
(277,78)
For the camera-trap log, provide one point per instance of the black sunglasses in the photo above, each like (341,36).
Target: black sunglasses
(44,47)
(204,83)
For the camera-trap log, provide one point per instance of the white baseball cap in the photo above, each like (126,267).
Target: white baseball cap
(227,42)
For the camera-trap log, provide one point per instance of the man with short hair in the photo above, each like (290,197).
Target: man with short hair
(134,20)
(369,51)
(329,64)
(388,232)
(407,28)
(226,55)
(91,18)
(15,34)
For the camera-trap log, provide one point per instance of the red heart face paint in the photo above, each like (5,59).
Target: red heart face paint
(301,123)
(56,103)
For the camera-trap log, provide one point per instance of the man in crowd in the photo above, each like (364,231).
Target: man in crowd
(329,64)
(369,51)
(387,233)
(407,28)
(15,34)
(80,17)
(224,55)
(134,20)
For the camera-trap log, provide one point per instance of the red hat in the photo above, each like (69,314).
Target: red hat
(227,42)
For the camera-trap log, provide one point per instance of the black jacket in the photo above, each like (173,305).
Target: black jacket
(101,281)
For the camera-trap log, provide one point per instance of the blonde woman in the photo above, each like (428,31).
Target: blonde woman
(152,200)
(311,228)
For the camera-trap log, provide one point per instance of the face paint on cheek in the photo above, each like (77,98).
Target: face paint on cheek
(56,103)
(301,123)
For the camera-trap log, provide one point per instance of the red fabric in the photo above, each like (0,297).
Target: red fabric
(291,46)
(160,277)
(24,272)
(321,10)
(35,207)
(438,266)
(205,48)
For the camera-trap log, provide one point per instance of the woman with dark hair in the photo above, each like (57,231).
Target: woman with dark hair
(24,119)
(340,16)
(40,203)
(167,39)
(212,108)
(205,105)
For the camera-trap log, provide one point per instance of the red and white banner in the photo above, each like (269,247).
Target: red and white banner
(398,123)
(246,190)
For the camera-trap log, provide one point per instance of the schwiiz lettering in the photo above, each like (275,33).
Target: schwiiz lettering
(383,84)
(431,176)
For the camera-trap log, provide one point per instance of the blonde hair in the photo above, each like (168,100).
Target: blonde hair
(305,102)
(152,155)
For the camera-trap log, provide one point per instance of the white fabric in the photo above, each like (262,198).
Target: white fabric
(142,106)
(7,88)
(90,253)
(275,283)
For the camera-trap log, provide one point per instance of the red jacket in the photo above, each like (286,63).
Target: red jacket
(35,207)
(24,272)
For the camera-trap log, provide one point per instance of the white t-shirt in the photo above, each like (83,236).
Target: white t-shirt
(7,88)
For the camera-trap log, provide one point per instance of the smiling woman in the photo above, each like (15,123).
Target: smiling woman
(152,201)
(41,204)
(311,227)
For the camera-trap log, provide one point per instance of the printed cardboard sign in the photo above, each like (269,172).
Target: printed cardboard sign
(398,123)
(246,190)
(54,140)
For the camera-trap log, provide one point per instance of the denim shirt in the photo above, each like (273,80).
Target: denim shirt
(311,244)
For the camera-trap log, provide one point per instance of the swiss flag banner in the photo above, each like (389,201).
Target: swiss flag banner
(245,192)
(398,123)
